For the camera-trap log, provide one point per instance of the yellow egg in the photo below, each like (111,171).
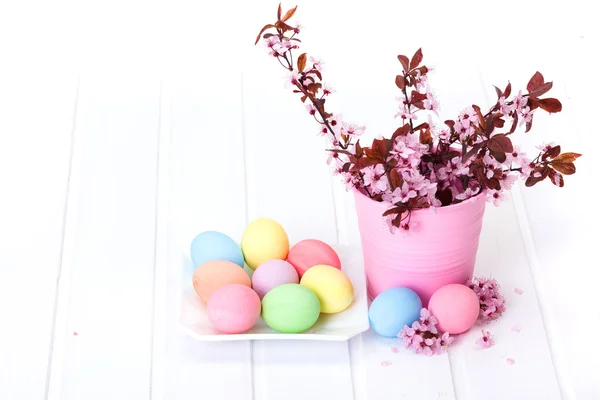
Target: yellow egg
(263,240)
(332,287)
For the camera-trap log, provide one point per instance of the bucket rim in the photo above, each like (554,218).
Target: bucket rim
(444,209)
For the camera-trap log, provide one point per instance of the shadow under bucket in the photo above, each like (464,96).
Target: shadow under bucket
(440,248)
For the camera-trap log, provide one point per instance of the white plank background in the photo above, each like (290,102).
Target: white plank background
(128,127)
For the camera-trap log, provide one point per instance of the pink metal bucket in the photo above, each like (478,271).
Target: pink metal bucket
(440,249)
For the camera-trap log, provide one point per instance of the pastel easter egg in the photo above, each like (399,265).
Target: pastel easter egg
(264,239)
(310,252)
(290,308)
(211,245)
(456,308)
(233,308)
(210,276)
(332,287)
(392,309)
(271,274)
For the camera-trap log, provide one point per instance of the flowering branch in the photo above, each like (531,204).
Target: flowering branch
(421,165)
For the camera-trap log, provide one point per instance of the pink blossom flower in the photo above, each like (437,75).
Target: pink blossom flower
(431,103)
(375,179)
(467,117)
(467,194)
(293,79)
(428,321)
(312,110)
(505,109)
(355,130)
(491,301)
(401,149)
(545,146)
(316,63)
(334,156)
(406,115)
(444,134)
(327,89)
(446,340)
(526,115)
(519,101)
(324,131)
(507,181)
(485,340)
(496,197)
(464,132)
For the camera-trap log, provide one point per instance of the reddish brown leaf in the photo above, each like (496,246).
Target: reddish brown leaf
(532,181)
(500,143)
(492,183)
(301,61)
(497,121)
(445,196)
(564,168)
(507,91)
(498,91)
(552,153)
(289,14)
(317,73)
(346,167)
(358,151)
(423,125)
(498,155)
(416,59)
(279,13)
(397,220)
(395,179)
(365,162)
(313,87)
(535,82)
(556,178)
(551,105)
(528,126)
(404,61)
(303,98)
(541,90)
(488,125)
(268,26)
(416,96)
(513,128)
(566,158)
(400,82)
(425,137)
(393,210)
(402,131)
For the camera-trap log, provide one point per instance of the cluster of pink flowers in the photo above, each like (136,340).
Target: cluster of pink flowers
(422,165)
(423,336)
(491,301)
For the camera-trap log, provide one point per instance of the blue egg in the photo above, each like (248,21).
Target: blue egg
(392,309)
(211,245)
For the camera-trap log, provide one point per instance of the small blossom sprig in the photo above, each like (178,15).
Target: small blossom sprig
(421,165)
(486,340)
(491,301)
(423,336)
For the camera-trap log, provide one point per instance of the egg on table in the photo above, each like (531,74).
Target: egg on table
(310,252)
(271,274)
(263,240)
(392,309)
(210,276)
(233,308)
(456,308)
(290,308)
(211,245)
(333,288)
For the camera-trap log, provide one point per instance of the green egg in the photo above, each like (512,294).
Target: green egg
(290,308)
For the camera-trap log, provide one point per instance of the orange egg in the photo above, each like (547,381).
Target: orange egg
(211,275)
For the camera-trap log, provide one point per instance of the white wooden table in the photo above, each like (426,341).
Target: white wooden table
(126,128)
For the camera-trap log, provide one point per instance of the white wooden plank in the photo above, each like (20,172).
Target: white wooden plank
(104,320)
(558,244)
(36,123)
(205,192)
(288,181)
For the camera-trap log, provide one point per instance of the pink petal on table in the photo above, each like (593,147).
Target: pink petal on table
(75,333)
(516,328)
(510,361)
(386,363)
(395,350)
(518,291)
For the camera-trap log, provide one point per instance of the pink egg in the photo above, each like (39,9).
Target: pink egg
(273,273)
(310,252)
(456,307)
(233,308)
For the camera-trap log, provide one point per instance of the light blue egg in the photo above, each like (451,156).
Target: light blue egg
(392,309)
(211,245)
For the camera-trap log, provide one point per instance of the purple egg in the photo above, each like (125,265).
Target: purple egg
(273,273)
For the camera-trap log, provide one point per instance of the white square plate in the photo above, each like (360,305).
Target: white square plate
(340,326)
